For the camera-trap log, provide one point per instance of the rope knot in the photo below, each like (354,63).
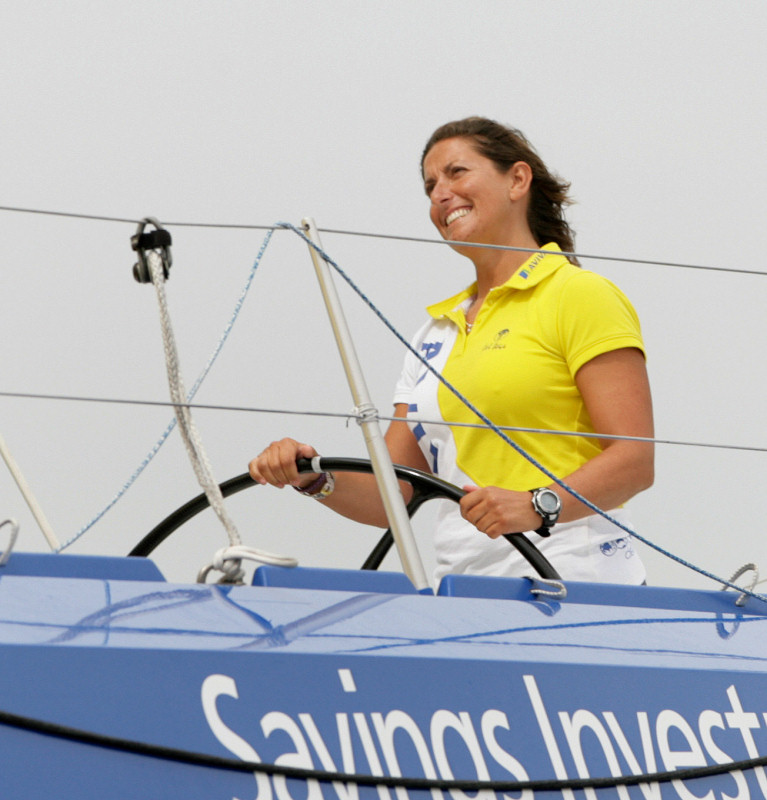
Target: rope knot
(366,412)
(229,565)
(228,561)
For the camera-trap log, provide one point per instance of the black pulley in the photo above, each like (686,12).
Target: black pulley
(159,240)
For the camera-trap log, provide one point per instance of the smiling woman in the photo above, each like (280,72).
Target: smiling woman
(535,342)
(473,201)
(507,148)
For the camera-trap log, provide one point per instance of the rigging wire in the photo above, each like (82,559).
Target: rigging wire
(567,253)
(101,218)
(488,423)
(393,237)
(351,415)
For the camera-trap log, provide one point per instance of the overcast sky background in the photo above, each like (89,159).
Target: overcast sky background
(251,113)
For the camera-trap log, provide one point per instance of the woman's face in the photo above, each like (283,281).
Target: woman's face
(471,200)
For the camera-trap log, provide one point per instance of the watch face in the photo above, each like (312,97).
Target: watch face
(548,502)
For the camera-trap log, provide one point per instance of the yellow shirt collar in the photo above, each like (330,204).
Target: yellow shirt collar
(539,266)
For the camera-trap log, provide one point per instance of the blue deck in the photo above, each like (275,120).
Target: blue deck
(354,671)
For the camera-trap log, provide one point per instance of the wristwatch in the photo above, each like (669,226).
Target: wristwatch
(547,504)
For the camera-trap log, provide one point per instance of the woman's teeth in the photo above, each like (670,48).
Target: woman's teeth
(454,215)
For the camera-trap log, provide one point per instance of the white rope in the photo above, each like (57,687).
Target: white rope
(228,560)
(11,541)
(556,589)
(745,568)
(190,435)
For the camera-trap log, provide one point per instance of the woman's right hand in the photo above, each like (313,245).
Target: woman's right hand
(276,464)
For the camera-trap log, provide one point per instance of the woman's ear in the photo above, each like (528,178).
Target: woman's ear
(520,178)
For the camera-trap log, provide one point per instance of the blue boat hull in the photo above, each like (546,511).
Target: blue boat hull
(487,682)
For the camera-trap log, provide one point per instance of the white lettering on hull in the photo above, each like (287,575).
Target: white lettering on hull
(669,741)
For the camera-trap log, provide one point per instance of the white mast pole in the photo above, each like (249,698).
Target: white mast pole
(394,504)
(26,492)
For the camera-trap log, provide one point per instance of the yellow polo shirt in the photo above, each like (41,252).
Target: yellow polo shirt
(517,366)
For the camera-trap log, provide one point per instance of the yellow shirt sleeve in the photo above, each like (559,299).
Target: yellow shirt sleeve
(594,317)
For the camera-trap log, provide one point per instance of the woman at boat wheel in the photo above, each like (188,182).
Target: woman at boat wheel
(536,343)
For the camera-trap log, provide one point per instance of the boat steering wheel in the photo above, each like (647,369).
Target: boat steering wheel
(425,487)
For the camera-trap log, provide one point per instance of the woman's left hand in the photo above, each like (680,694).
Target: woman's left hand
(496,511)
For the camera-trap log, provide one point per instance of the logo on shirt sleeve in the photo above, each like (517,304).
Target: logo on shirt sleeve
(428,350)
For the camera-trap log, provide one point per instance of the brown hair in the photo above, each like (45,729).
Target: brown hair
(504,147)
